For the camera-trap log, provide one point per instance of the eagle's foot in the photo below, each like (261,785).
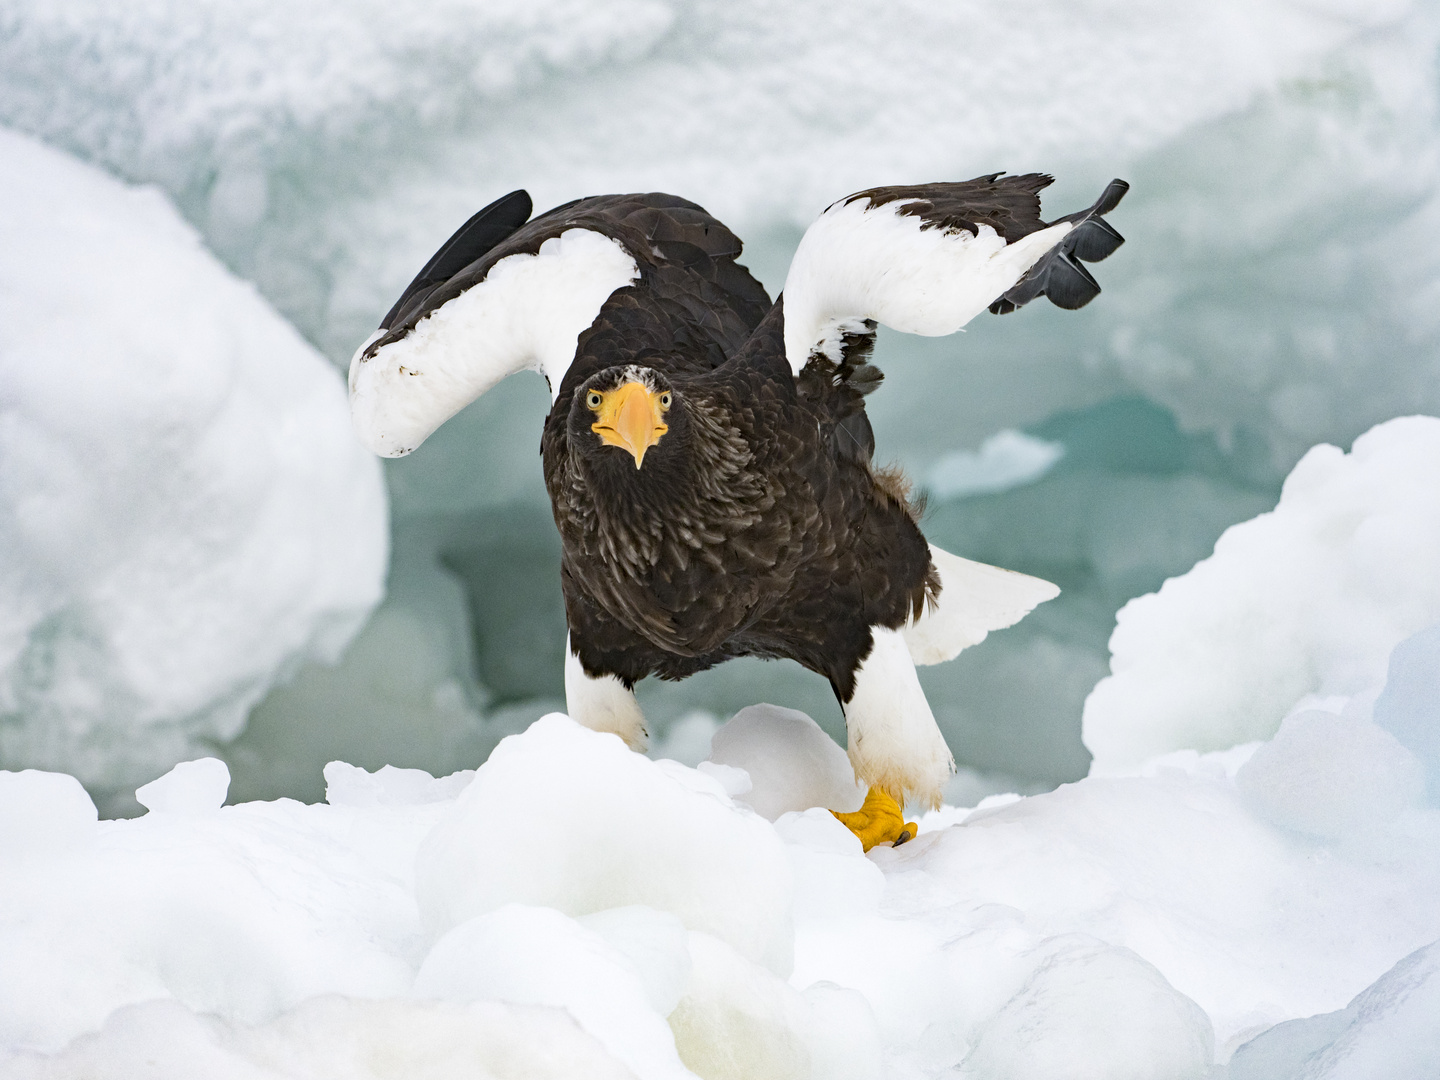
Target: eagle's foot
(878,821)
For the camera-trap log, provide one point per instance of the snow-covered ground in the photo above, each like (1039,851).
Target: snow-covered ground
(185,515)
(1278,287)
(572,908)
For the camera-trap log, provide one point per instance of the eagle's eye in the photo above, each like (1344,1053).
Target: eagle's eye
(665,400)
(593,399)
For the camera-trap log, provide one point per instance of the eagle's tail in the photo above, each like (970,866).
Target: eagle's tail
(974,599)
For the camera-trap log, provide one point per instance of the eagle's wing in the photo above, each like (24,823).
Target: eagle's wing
(927,259)
(503,296)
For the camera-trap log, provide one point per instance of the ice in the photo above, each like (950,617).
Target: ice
(1409,706)
(43,814)
(324,150)
(1005,460)
(1327,775)
(332,1038)
(537,956)
(591,826)
(1307,600)
(1390,1030)
(1273,899)
(791,763)
(573,905)
(184,512)
(347,785)
(1082,987)
(191,787)
(737,1020)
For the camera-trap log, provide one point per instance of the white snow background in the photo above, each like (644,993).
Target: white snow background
(1244,886)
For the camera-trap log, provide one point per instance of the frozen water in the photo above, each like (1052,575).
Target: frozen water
(1307,600)
(191,787)
(1391,1031)
(1138,926)
(537,956)
(43,813)
(1081,987)
(791,763)
(737,1020)
(1327,775)
(333,1037)
(325,149)
(1409,706)
(1005,460)
(588,825)
(184,512)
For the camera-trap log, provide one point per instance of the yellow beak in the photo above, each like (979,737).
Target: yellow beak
(630,418)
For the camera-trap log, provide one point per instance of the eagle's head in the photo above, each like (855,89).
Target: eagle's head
(626,418)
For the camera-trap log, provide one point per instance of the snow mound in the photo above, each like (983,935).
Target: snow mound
(1048,1028)
(1326,775)
(594,826)
(1409,706)
(575,906)
(184,512)
(332,1038)
(1309,599)
(1391,1031)
(790,762)
(1008,459)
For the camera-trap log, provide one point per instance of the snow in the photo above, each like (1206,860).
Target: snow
(788,761)
(184,513)
(325,150)
(1244,887)
(333,1038)
(574,905)
(1005,460)
(618,830)
(1325,775)
(1389,1030)
(1409,706)
(1302,604)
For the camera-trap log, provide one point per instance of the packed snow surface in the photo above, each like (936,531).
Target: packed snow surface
(1299,606)
(1277,288)
(573,908)
(185,515)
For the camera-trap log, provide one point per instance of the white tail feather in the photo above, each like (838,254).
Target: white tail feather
(974,599)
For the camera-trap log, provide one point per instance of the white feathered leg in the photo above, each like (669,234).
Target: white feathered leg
(603,704)
(895,743)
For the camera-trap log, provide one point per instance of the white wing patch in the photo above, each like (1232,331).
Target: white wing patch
(527,313)
(974,599)
(861,262)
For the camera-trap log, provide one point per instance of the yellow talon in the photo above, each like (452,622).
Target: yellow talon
(878,820)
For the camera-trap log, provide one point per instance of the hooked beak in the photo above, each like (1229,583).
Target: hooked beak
(630,418)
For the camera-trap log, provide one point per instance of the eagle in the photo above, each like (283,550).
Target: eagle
(707,453)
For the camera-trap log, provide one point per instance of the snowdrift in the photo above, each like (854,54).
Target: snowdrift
(1277,288)
(184,513)
(1298,607)
(572,908)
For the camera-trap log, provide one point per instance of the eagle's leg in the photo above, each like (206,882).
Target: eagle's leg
(895,745)
(602,702)
(879,819)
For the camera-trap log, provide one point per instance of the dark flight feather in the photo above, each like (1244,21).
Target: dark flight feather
(482,232)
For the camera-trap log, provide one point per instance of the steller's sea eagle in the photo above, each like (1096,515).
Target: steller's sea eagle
(707,454)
